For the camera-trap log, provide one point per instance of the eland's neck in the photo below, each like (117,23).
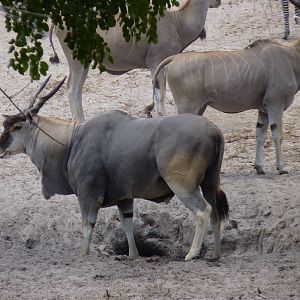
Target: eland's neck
(52,134)
(190,19)
(50,153)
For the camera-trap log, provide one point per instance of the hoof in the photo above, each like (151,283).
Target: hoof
(259,170)
(213,259)
(285,35)
(282,172)
(189,257)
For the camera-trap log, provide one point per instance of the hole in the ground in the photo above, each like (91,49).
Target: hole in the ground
(146,248)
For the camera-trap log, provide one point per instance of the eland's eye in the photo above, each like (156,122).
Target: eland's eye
(17,127)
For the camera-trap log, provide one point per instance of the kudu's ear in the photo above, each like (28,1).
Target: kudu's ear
(35,109)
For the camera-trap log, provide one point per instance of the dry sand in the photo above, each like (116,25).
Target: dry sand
(39,239)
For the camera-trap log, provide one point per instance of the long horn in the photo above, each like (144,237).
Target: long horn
(37,92)
(13,103)
(35,109)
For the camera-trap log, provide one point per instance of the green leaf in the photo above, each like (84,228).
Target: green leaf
(82,19)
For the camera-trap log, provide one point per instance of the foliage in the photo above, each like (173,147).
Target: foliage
(81,18)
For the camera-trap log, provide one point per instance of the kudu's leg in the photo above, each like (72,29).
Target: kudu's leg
(261,132)
(160,93)
(75,84)
(126,215)
(275,120)
(89,210)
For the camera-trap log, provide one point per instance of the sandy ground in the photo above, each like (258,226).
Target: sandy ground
(39,239)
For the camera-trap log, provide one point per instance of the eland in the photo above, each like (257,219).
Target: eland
(113,158)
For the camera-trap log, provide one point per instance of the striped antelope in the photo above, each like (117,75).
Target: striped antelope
(264,76)
(176,30)
(285,8)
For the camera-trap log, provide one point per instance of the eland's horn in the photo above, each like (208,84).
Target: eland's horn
(35,109)
(37,92)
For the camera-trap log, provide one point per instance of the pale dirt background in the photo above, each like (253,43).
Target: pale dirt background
(39,239)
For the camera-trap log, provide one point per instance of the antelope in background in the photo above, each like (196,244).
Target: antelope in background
(264,76)
(176,30)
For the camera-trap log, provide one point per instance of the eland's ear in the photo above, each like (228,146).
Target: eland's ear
(4,116)
(29,116)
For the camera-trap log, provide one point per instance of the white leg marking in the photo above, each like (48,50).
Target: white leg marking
(87,231)
(127,226)
(202,218)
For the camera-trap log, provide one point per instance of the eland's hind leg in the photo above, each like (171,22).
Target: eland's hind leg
(261,132)
(197,204)
(209,192)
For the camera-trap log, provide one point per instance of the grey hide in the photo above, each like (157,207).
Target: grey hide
(113,158)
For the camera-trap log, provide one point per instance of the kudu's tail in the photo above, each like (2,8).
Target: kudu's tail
(53,59)
(147,110)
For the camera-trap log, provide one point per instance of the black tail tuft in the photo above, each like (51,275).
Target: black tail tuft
(222,205)
(203,34)
(54,59)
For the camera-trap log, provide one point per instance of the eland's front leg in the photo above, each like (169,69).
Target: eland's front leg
(126,215)
(89,210)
